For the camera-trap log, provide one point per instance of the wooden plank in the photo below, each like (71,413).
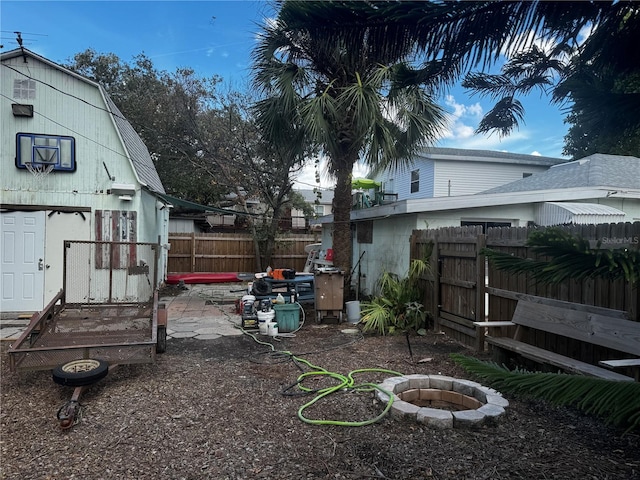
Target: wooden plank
(614,333)
(541,355)
(459,320)
(557,303)
(458,327)
(495,324)
(457,283)
(627,362)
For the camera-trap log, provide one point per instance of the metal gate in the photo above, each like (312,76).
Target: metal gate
(109,272)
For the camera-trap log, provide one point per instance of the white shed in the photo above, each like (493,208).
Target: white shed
(73,168)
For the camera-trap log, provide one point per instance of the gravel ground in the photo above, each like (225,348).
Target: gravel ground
(216,409)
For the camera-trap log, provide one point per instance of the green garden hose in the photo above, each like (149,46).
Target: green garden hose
(343,382)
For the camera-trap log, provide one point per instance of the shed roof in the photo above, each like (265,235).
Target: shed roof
(138,151)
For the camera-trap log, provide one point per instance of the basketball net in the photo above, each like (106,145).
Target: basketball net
(39,171)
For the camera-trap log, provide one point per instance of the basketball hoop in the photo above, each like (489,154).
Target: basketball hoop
(39,171)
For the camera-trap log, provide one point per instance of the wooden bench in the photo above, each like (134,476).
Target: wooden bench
(611,332)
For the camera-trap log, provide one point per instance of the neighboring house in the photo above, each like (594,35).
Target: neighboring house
(595,189)
(322,205)
(95,179)
(450,172)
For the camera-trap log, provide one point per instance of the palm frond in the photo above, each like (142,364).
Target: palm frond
(617,402)
(503,118)
(569,257)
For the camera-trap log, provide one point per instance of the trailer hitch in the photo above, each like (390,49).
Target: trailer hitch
(69,413)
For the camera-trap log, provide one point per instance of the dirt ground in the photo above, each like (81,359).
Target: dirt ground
(222,409)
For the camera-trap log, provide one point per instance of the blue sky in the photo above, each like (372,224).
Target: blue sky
(216,38)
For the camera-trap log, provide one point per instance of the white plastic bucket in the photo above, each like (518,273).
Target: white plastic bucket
(353,312)
(248,298)
(264,318)
(272,329)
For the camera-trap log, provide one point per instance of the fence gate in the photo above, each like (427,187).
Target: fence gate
(457,294)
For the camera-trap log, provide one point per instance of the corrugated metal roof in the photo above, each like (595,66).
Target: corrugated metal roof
(563,213)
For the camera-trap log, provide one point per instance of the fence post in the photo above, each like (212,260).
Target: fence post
(193,252)
(436,282)
(481,242)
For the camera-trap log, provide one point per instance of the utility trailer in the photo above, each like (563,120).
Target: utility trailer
(106,314)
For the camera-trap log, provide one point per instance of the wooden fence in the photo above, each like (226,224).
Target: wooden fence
(232,252)
(464,287)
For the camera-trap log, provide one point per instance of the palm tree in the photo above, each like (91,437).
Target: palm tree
(351,100)
(455,37)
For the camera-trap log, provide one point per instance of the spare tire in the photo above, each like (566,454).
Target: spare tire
(261,287)
(78,373)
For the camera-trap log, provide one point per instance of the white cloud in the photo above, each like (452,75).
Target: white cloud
(461,119)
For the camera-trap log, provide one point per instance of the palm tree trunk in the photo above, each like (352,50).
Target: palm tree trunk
(342,242)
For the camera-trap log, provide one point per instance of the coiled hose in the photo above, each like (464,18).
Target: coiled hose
(343,382)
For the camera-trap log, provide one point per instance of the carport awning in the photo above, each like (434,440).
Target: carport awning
(178,202)
(561,213)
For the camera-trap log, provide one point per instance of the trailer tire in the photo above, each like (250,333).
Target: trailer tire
(161,343)
(79,373)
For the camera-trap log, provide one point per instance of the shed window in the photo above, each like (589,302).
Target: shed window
(415,181)
(24,89)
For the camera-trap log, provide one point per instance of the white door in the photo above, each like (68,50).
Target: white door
(22,263)
(61,226)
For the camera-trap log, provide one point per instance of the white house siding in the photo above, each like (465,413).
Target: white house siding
(517,215)
(399,180)
(454,178)
(388,252)
(390,249)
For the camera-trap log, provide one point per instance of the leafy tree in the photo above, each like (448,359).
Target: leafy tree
(235,153)
(204,142)
(163,108)
(596,80)
(350,100)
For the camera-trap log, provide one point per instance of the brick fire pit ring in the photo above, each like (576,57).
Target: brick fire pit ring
(442,402)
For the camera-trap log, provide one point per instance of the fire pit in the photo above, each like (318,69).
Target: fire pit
(442,402)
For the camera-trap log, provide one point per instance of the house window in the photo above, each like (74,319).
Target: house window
(319,210)
(365,232)
(415,181)
(24,89)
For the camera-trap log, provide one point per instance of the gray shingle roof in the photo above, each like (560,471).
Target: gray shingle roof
(461,154)
(138,151)
(597,170)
